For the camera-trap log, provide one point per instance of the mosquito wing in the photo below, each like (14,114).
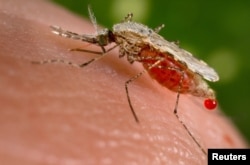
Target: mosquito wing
(195,65)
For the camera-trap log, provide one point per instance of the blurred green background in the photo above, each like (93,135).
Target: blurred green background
(216,31)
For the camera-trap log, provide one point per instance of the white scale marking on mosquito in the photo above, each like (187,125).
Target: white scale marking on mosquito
(142,44)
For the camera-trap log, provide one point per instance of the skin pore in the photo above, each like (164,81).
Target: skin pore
(59,114)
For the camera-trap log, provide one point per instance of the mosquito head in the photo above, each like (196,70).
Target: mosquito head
(105,37)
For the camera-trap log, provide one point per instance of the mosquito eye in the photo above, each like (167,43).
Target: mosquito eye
(103,40)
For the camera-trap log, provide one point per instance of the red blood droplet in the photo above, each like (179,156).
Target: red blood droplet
(210,104)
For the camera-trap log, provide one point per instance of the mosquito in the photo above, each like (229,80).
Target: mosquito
(168,64)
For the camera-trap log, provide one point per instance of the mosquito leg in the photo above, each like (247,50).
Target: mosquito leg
(176,111)
(94,52)
(55,61)
(74,64)
(130,81)
(158,29)
(127,93)
(96,58)
(184,125)
(176,103)
(87,51)
(128,18)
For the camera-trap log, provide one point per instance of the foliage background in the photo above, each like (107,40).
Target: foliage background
(216,31)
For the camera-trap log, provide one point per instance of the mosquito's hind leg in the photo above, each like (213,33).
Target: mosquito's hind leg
(176,103)
(176,109)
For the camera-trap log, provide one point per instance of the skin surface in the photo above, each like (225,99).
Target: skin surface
(59,114)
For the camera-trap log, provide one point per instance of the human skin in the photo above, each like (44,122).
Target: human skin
(59,114)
